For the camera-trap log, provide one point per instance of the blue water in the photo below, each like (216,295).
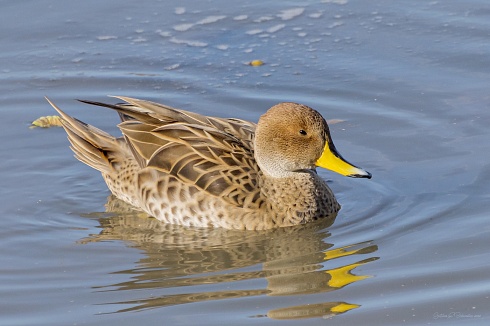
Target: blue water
(407,82)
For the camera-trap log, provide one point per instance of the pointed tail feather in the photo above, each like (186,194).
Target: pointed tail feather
(91,145)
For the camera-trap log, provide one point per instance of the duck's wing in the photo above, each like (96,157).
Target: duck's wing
(156,114)
(215,155)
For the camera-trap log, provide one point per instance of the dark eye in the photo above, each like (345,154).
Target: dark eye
(302,132)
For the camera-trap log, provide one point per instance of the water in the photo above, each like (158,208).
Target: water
(409,82)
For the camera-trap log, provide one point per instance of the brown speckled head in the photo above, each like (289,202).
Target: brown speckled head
(289,137)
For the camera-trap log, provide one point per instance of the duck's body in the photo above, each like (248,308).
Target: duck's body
(185,168)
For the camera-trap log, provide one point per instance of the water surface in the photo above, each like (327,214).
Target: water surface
(408,81)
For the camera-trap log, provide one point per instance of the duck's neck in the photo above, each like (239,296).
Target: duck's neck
(301,196)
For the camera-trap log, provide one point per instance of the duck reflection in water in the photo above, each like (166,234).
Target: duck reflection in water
(294,261)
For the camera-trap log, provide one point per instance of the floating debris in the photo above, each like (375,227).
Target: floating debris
(47,122)
(256,63)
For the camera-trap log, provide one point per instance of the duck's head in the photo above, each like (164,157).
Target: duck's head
(292,137)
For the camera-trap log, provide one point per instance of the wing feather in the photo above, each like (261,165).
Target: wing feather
(213,154)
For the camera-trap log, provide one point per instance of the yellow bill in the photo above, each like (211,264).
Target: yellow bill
(332,160)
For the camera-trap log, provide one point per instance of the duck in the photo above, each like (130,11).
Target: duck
(185,168)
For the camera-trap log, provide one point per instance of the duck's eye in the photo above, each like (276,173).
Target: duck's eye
(302,132)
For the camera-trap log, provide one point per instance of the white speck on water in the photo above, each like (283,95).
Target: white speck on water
(106,37)
(263,19)
(240,17)
(172,67)
(314,40)
(248,50)
(222,47)
(210,20)
(139,31)
(302,34)
(276,28)
(188,42)
(335,24)
(254,31)
(338,2)
(289,14)
(316,15)
(183,27)
(139,40)
(164,33)
(179,10)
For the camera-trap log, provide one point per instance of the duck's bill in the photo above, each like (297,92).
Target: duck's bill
(333,161)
